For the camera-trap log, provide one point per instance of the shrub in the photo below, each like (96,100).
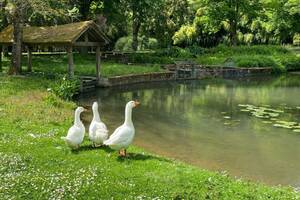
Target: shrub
(296,39)
(246,50)
(290,62)
(66,88)
(149,58)
(196,50)
(185,35)
(175,52)
(144,43)
(53,100)
(257,61)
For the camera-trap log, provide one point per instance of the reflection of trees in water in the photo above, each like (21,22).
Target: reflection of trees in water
(193,98)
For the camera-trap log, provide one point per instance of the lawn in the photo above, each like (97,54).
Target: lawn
(36,164)
(84,65)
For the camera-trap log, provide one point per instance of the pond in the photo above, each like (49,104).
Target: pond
(246,127)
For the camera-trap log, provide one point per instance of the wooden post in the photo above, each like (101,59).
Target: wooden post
(29,59)
(98,60)
(0,58)
(70,62)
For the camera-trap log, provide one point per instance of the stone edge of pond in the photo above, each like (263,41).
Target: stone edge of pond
(189,74)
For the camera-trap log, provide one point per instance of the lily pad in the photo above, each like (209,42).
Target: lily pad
(243,105)
(267,122)
(287,123)
(244,110)
(283,126)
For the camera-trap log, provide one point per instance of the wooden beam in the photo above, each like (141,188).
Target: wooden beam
(98,60)
(70,62)
(87,44)
(29,59)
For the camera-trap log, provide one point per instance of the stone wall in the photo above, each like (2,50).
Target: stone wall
(197,73)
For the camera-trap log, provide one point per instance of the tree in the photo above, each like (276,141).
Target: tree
(18,12)
(116,16)
(169,16)
(284,18)
(232,13)
(140,11)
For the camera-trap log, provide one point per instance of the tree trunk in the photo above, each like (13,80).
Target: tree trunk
(16,47)
(135,32)
(233,33)
(0,58)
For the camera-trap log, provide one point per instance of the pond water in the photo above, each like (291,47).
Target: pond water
(247,127)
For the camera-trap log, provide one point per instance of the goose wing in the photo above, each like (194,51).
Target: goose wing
(121,135)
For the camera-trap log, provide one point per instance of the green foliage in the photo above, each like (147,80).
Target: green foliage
(55,65)
(35,164)
(166,20)
(258,61)
(277,57)
(296,39)
(291,63)
(66,88)
(257,49)
(185,35)
(52,100)
(175,52)
(149,58)
(125,43)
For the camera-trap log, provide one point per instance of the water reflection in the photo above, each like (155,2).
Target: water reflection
(200,122)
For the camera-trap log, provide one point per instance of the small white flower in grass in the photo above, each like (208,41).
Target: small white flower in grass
(49,89)
(32,135)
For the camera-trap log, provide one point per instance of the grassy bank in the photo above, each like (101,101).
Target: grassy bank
(35,164)
(277,57)
(84,65)
(280,58)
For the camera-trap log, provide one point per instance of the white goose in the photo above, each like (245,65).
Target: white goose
(123,135)
(76,132)
(98,132)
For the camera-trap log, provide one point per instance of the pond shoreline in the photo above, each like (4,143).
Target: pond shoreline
(186,74)
(57,172)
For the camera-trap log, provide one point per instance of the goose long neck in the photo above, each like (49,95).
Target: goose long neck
(96,116)
(77,118)
(128,115)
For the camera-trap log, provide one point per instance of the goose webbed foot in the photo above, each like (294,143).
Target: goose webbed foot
(122,153)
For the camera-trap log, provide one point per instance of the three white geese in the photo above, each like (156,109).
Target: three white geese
(98,133)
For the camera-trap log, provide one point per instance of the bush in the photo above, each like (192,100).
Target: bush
(291,63)
(196,50)
(257,61)
(144,43)
(246,50)
(66,88)
(175,52)
(296,39)
(149,58)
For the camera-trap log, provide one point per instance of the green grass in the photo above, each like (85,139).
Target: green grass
(36,164)
(277,57)
(84,65)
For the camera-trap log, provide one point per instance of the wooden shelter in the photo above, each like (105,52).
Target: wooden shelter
(70,36)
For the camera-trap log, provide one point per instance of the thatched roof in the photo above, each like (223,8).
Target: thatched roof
(61,34)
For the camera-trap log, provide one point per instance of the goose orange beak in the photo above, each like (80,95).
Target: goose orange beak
(136,103)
